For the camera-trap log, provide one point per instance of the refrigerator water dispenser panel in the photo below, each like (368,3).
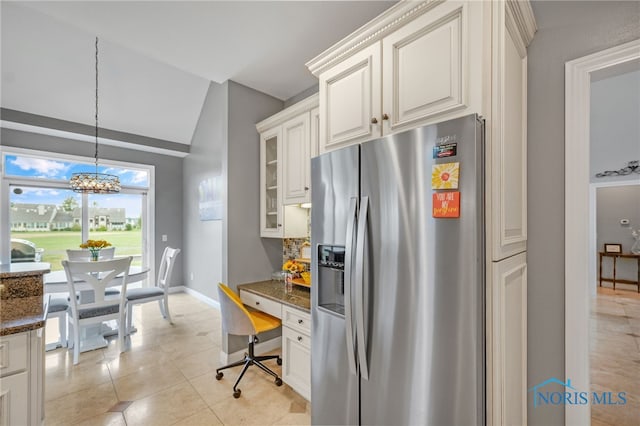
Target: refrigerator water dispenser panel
(331,278)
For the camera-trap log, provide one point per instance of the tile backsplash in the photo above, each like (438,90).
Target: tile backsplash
(291,248)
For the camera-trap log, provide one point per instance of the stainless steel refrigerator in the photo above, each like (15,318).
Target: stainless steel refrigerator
(397,232)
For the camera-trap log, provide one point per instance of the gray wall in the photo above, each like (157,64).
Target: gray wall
(302,95)
(566,31)
(168,180)
(249,257)
(615,124)
(203,240)
(226,143)
(613,204)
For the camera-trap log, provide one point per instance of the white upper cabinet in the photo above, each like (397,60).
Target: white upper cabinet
(286,146)
(508,135)
(270,183)
(350,96)
(296,147)
(423,73)
(418,63)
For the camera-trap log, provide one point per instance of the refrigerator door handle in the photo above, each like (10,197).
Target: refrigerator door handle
(348,311)
(359,281)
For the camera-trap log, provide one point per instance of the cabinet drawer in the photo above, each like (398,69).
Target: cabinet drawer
(296,319)
(296,336)
(13,354)
(261,303)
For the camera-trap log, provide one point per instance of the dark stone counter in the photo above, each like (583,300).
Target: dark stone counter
(300,297)
(21,297)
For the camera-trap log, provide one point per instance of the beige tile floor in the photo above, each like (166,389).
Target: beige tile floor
(167,377)
(615,355)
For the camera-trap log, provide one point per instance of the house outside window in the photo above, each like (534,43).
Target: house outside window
(39,207)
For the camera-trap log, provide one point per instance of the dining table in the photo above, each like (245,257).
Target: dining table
(92,337)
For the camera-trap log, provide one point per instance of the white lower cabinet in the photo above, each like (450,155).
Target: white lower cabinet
(296,350)
(21,379)
(507,342)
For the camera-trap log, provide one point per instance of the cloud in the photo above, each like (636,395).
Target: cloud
(139,177)
(46,168)
(128,176)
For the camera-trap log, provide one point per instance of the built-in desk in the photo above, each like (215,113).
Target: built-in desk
(293,308)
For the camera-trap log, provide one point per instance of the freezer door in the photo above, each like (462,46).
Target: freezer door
(334,381)
(423,280)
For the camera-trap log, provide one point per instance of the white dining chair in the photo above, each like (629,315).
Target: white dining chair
(159,292)
(85,255)
(96,275)
(57,308)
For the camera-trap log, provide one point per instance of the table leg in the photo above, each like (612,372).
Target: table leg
(600,255)
(614,271)
(638,282)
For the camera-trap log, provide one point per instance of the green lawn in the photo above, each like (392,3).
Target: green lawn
(55,243)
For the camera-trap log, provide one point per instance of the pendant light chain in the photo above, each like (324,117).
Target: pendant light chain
(94,182)
(96,155)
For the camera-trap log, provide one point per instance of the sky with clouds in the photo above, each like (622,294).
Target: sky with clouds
(57,169)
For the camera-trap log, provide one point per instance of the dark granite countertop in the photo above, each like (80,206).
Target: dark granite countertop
(21,291)
(300,297)
(21,314)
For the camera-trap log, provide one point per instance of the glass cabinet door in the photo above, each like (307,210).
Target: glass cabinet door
(271,210)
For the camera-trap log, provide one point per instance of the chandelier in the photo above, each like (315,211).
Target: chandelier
(94,182)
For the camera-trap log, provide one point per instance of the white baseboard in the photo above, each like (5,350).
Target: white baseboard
(259,349)
(182,289)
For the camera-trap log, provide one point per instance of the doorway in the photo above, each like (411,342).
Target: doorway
(578,216)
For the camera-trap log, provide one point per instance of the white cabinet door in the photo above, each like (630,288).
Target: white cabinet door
(296,173)
(423,72)
(271,184)
(14,400)
(315,132)
(508,342)
(296,361)
(509,138)
(350,96)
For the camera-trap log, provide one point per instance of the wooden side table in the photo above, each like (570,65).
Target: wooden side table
(615,257)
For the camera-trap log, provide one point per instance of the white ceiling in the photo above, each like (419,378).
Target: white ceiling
(157,58)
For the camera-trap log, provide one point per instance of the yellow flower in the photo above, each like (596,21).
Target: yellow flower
(445,176)
(95,244)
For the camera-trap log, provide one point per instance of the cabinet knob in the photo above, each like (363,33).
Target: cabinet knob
(279,225)
(306,188)
(257,303)
(374,120)
(299,338)
(385,116)
(300,321)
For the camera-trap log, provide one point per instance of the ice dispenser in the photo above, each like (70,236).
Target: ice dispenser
(331,278)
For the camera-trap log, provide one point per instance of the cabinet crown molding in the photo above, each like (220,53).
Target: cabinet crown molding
(385,23)
(524,19)
(304,105)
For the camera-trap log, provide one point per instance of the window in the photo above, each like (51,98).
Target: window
(42,213)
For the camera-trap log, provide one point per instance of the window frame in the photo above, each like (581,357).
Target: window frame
(148,194)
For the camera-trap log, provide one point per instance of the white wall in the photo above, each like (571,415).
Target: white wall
(615,125)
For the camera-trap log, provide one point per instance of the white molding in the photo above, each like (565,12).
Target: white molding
(206,299)
(524,19)
(577,118)
(259,348)
(385,23)
(286,114)
(89,139)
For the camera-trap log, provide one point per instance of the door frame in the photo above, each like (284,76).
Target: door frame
(578,74)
